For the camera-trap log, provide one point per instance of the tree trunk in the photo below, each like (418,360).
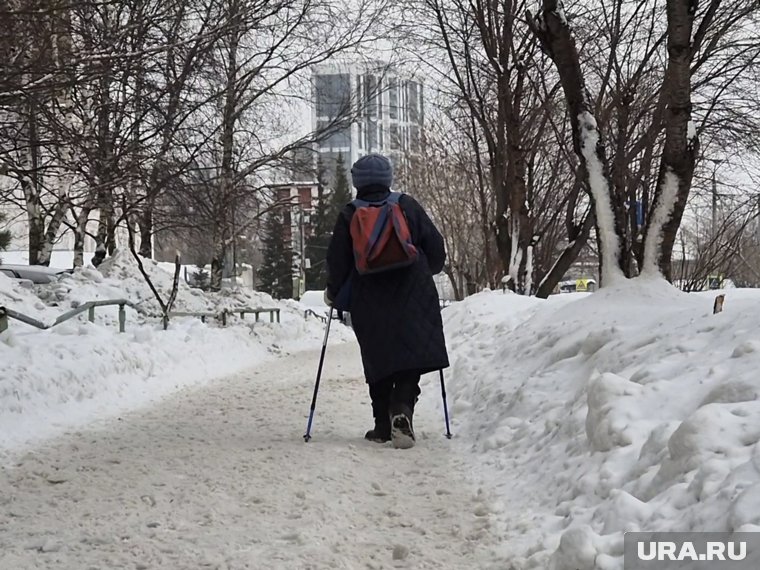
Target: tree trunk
(218,262)
(111,230)
(36,232)
(146,229)
(619,178)
(646,167)
(61,38)
(566,259)
(54,226)
(451,274)
(557,40)
(30,183)
(226,199)
(485,225)
(501,228)
(104,169)
(80,232)
(104,237)
(521,257)
(681,146)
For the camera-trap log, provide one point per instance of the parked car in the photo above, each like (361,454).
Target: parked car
(37,274)
(583,285)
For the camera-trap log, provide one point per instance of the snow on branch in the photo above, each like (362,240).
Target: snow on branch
(662,213)
(600,190)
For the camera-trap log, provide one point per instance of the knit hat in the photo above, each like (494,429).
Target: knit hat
(372,169)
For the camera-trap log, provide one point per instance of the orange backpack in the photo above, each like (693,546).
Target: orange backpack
(381,237)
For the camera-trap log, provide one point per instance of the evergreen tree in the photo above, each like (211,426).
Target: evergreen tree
(276,271)
(342,189)
(5,236)
(326,212)
(322,222)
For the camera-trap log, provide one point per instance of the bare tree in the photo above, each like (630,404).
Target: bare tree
(263,48)
(488,55)
(681,143)
(643,103)
(103,105)
(35,76)
(443,176)
(501,94)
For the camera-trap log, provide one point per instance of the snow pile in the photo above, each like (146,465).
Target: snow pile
(630,409)
(78,371)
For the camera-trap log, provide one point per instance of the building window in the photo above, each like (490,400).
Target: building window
(333,95)
(422,105)
(304,196)
(370,100)
(359,98)
(414,138)
(412,101)
(395,138)
(333,136)
(393,98)
(371,135)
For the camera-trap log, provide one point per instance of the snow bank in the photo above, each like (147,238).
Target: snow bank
(69,375)
(630,409)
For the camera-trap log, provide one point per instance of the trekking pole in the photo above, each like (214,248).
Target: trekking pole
(307,436)
(445,407)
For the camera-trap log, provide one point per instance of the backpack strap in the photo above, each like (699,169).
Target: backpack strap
(394,198)
(361,203)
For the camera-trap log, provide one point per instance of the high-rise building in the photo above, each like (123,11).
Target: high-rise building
(365,108)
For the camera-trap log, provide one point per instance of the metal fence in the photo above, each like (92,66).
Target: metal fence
(6,314)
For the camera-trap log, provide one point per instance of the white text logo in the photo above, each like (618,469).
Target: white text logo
(714,551)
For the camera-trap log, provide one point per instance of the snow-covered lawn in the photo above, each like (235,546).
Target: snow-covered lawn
(630,409)
(78,371)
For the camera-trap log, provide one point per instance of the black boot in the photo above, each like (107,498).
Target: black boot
(381,433)
(380,393)
(402,430)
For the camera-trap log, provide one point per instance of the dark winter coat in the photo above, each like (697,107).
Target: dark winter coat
(396,315)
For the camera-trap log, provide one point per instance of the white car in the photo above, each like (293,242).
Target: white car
(37,274)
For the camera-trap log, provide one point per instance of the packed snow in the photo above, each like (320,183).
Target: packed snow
(630,409)
(219,477)
(575,419)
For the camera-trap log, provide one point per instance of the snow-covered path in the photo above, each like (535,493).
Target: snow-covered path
(219,477)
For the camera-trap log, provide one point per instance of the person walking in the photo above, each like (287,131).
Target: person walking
(387,287)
